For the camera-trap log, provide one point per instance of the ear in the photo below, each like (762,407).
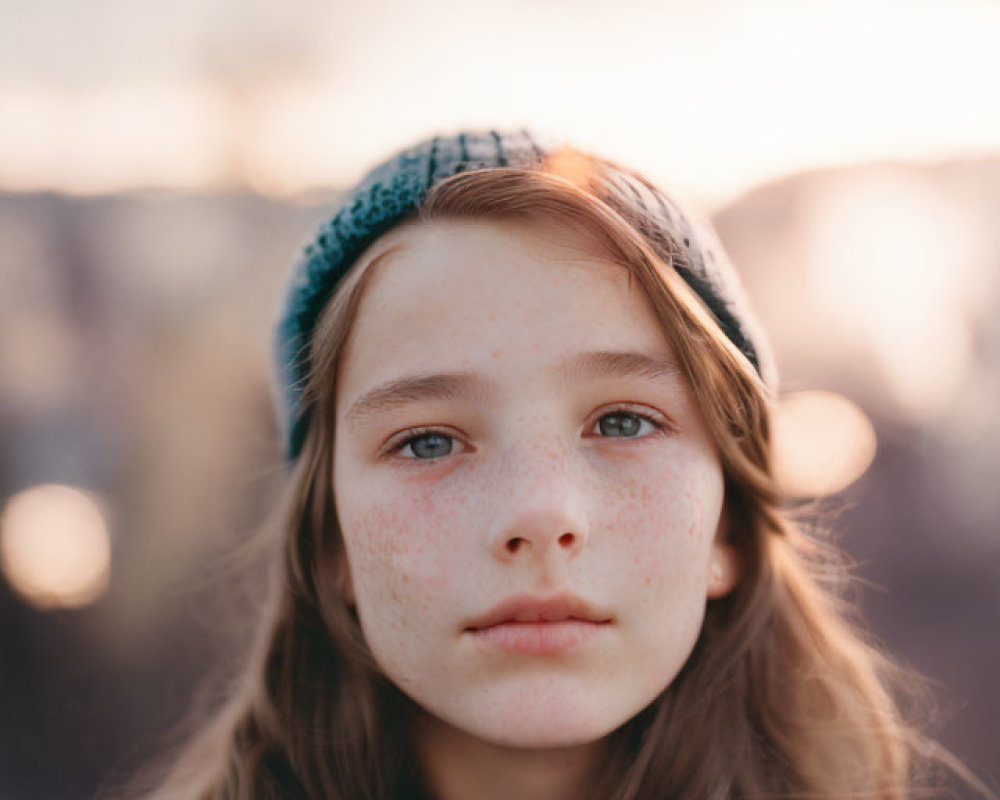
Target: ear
(723,562)
(723,570)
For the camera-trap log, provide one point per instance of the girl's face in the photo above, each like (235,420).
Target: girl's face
(510,424)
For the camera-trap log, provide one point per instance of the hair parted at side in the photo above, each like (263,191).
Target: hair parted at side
(783,695)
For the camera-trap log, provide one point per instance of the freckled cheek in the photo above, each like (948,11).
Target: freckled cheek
(666,523)
(403,552)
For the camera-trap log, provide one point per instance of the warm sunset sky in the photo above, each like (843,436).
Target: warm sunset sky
(710,96)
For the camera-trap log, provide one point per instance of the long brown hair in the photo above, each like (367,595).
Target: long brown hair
(783,696)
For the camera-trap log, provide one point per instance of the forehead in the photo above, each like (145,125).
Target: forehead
(459,294)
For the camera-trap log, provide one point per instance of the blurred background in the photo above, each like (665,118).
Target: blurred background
(162,164)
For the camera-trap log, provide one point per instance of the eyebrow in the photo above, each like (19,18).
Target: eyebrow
(414,389)
(617,364)
(468,385)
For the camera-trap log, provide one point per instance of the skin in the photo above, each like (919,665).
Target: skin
(536,495)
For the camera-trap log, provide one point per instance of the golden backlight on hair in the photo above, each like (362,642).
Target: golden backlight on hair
(571,166)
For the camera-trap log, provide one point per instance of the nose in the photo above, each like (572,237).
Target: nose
(540,511)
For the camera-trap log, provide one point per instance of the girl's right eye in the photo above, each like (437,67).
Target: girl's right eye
(425,446)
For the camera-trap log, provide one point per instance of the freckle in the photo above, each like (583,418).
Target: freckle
(427,502)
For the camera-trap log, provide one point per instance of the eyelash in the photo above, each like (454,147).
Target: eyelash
(660,423)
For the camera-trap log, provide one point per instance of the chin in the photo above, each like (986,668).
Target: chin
(544,727)
(547,739)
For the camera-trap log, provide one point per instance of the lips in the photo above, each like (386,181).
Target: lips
(524,608)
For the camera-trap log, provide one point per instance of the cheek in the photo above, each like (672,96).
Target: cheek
(667,519)
(401,552)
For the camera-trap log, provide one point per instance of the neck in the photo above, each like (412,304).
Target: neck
(457,766)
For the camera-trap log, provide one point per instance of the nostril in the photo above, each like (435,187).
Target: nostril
(566,540)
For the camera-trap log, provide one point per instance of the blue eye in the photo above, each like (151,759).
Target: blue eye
(428,445)
(626,425)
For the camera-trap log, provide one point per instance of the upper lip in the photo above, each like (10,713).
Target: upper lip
(529,608)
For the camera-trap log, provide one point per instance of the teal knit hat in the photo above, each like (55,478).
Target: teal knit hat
(394,190)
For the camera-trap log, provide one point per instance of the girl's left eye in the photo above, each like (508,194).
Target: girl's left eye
(426,446)
(627,425)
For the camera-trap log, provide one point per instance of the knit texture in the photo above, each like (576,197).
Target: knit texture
(394,190)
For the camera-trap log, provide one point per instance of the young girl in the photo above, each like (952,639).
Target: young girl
(531,545)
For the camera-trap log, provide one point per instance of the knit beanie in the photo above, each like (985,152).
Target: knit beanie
(394,191)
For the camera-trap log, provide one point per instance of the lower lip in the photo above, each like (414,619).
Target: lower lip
(538,638)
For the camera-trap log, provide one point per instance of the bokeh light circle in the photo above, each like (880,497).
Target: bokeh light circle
(55,550)
(822,443)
